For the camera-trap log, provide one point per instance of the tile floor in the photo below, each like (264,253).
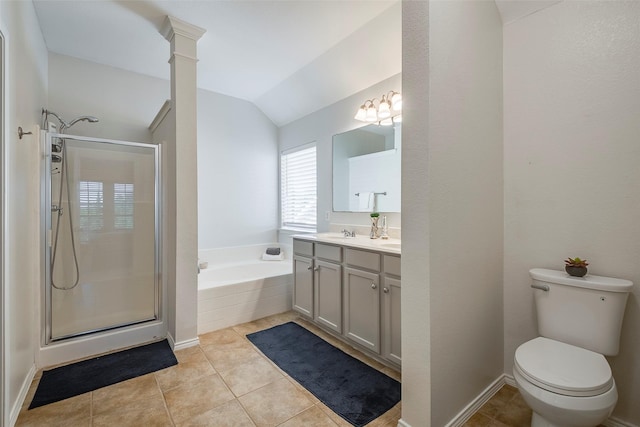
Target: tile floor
(225,381)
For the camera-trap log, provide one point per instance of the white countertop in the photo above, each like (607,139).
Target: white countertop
(392,246)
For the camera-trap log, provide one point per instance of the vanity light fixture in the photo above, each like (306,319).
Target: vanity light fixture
(386,112)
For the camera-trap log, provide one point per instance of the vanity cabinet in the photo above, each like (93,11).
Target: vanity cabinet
(353,293)
(328,287)
(391,295)
(303,277)
(362,298)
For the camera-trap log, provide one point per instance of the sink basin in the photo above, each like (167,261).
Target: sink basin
(391,245)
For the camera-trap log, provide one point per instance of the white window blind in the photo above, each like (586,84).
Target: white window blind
(91,206)
(123,206)
(298,188)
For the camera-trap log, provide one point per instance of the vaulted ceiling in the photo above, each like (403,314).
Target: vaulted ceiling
(290,58)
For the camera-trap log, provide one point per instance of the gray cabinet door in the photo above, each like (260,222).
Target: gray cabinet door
(391,347)
(303,285)
(362,308)
(328,295)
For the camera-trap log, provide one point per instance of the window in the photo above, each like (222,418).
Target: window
(105,208)
(91,206)
(123,206)
(298,188)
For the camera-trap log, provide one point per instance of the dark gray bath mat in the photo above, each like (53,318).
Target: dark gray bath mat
(88,375)
(351,388)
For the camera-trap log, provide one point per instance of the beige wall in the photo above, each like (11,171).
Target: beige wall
(572,120)
(452,197)
(26,86)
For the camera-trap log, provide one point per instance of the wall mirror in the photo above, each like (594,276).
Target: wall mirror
(366,169)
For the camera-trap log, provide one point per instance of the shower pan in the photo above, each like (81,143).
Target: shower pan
(101,239)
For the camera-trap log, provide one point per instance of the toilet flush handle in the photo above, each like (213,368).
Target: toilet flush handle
(541,287)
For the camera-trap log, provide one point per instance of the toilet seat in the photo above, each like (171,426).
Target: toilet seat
(563,368)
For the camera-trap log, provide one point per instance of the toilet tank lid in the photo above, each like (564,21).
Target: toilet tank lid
(589,281)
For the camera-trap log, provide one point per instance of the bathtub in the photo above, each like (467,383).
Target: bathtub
(239,287)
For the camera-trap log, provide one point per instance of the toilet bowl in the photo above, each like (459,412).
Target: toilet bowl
(563,375)
(565,386)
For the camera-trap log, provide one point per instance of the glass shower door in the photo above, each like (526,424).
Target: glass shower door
(103,243)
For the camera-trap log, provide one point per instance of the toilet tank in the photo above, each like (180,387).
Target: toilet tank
(583,311)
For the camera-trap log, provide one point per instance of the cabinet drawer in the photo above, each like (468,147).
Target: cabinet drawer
(392,265)
(328,252)
(302,247)
(363,259)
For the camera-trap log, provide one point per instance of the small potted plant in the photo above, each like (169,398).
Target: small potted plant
(576,267)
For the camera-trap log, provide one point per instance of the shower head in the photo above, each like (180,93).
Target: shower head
(89,119)
(65,125)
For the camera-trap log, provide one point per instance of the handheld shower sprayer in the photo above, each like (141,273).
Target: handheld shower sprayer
(60,148)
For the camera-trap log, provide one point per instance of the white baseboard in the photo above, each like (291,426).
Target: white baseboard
(24,389)
(468,411)
(182,344)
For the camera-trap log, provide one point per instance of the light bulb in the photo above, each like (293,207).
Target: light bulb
(372,115)
(383,109)
(396,101)
(361,114)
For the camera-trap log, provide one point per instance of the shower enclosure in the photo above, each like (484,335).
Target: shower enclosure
(101,223)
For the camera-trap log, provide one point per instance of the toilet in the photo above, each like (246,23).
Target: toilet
(563,374)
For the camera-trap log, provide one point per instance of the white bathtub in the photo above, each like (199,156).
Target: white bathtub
(239,287)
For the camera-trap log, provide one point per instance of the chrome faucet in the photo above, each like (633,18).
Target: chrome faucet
(348,233)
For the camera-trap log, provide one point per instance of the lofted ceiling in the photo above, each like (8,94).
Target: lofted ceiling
(288,57)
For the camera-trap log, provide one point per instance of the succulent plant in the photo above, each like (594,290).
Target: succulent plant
(374,214)
(576,262)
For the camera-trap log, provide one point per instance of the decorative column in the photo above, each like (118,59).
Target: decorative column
(181,194)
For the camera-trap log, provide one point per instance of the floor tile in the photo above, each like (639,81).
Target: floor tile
(250,376)
(312,417)
(192,367)
(197,397)
(478,420)
(126,393)
(341,422)
(230,414)
(274,403)
(225,356)
(221,336)
(73,411)
(144,412)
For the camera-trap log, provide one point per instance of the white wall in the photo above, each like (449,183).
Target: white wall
(123,101)
(572,120)
(237,143)
(26,86)
(320,127)
(237,173)
(458,158)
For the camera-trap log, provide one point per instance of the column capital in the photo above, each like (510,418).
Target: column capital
(173,26)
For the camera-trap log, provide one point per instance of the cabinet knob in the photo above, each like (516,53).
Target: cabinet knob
(373,286)
(316,269)
(310,267)
(385,290)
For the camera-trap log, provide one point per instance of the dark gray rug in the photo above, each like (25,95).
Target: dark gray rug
(351,388)
(88,375)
